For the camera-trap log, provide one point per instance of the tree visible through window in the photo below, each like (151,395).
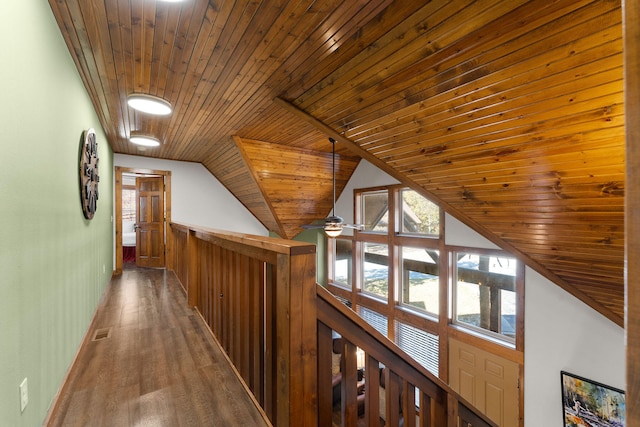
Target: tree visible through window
(485,296)
(419,215)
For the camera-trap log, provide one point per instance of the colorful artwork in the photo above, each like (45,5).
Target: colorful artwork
(586,403)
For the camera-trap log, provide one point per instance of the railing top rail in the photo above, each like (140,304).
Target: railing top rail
(272,244)
(329,298)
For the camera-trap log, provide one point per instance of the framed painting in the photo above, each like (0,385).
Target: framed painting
(587,403)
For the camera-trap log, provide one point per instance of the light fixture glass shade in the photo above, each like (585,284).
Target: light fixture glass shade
(145,140)
(149,104)
(333,230)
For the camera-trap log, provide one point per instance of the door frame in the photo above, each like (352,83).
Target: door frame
(119,170)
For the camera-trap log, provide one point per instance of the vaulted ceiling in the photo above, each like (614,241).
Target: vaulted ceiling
(508,113)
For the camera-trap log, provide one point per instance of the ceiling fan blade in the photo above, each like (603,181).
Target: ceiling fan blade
(312,226)
(358,227)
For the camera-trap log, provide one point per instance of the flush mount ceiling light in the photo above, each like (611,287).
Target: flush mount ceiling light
(149,104)
(144,140)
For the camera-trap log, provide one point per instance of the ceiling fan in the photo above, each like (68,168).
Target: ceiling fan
(333,224)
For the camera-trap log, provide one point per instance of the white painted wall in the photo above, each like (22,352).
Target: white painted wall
(197,197)
(561,332)
(366,175)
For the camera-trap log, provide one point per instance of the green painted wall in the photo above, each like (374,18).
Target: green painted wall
(54,264)
(318,238)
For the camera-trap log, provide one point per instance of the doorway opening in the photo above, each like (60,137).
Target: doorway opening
(143,212)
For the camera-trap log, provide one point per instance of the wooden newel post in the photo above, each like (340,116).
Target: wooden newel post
(296,338)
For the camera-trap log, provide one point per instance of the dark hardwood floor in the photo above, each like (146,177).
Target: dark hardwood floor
(158,365)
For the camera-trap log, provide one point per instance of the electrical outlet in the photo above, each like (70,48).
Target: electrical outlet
(24,395)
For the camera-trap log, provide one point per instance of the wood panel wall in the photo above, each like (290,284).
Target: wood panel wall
(632,210)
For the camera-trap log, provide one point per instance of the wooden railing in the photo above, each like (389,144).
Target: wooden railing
(257,295)
(284,334)
(377,381)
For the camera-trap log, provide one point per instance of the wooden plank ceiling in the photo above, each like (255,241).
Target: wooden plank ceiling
(507,113)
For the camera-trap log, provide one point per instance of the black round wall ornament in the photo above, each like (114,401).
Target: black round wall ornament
(89,177)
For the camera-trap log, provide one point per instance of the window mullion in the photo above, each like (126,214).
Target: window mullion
(446,268)
(393,262)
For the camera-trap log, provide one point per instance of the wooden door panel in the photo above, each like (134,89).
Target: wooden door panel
(157,214)
(157,244)
(151,224)
(143,208)
(488,381)
(467,385)
(142,250)
(495,402)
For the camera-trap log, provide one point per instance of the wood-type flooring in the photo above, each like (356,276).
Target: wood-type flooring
(157,366)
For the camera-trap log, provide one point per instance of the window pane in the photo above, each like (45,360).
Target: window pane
(128,204)
(485,293)
(342,262)
(375,211)
(419,215)
(421,345)
(508,313)
(376,269)
(375,319)
(420,282)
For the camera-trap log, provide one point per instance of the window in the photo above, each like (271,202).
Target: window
(129,204)
(342,262)
(485,297)
(375,211)
(419,344)
(375,319)
(400,273)
(419,215)
(375,272)
(420,279)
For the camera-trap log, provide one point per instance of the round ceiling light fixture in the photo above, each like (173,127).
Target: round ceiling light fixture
(144,140)
(149,104)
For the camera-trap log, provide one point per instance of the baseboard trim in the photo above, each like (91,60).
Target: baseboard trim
(57,401)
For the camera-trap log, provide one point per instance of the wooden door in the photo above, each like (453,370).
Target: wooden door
(150,232)
(488,381)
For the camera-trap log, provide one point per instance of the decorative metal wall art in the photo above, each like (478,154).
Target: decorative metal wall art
(89,177)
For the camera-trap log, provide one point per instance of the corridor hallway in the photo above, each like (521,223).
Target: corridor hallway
(155,365)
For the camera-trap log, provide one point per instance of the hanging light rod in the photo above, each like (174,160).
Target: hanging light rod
(149,104)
